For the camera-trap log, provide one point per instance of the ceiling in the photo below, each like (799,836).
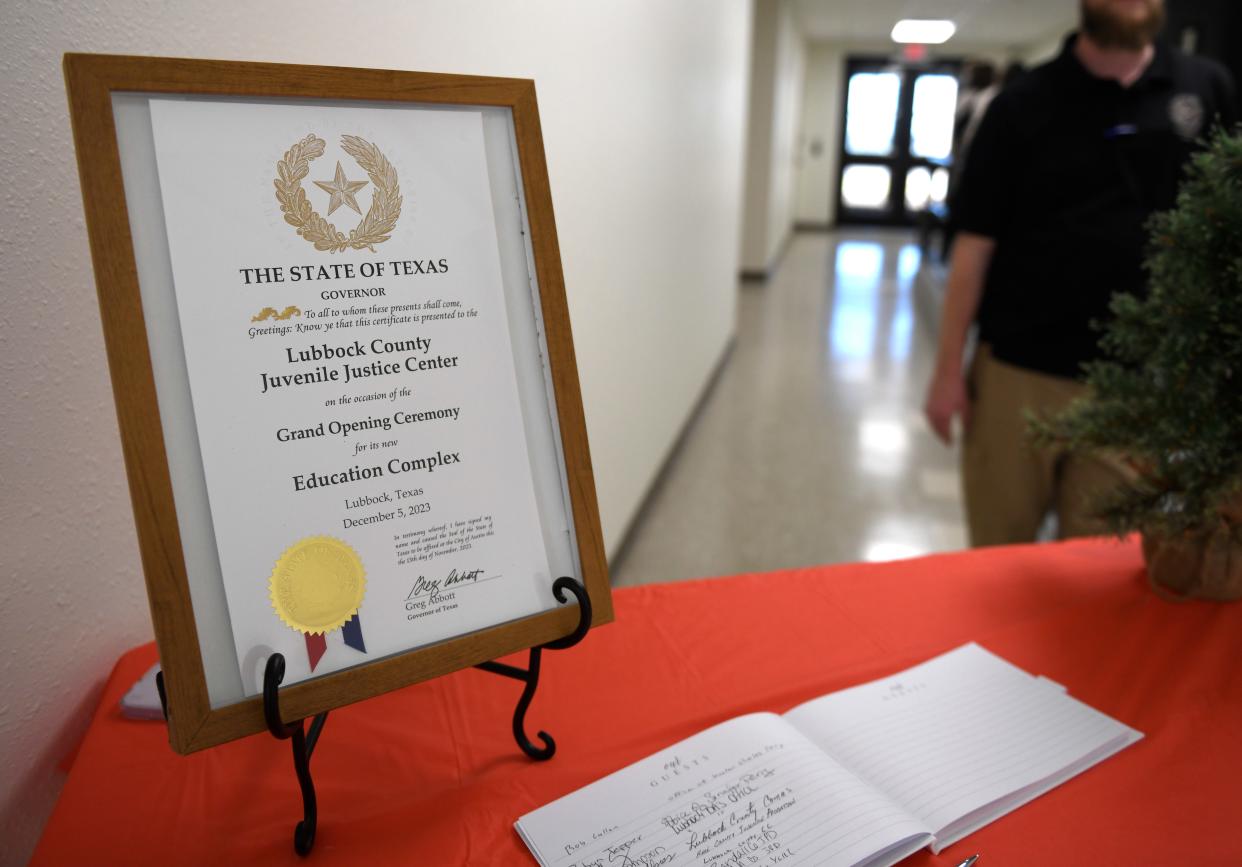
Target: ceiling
(992,22)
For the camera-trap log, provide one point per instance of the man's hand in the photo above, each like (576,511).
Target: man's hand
(946,397)
(946,393)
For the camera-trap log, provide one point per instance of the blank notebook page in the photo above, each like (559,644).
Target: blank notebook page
(960,734)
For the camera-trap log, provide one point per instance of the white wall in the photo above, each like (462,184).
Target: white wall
(786,131)
(822,116)
(1045,49)
(643,105)
(778,62)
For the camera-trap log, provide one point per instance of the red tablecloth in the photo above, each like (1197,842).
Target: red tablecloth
(430,775)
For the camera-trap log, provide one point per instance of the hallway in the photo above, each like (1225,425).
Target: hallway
(811,446)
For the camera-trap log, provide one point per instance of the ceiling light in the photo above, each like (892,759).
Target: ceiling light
(923,30)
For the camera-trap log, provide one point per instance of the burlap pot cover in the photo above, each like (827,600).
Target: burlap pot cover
(1205,565)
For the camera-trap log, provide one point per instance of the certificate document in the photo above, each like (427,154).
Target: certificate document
(339,291)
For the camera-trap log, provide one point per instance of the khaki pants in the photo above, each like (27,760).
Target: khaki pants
(1010,484)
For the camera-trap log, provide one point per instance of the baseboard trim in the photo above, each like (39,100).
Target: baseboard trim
(761,275)
(674,452)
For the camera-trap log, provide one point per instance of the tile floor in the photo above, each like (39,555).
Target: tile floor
(811,448)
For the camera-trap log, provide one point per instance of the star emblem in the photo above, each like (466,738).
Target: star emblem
(341,190)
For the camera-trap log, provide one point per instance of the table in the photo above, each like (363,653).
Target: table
(429,775)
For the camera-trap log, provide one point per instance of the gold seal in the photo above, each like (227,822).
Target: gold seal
(317,585)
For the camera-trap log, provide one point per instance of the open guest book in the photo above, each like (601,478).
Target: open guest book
(864,776)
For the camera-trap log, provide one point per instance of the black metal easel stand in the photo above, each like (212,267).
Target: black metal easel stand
(530,675)
(303,741)
(303,744)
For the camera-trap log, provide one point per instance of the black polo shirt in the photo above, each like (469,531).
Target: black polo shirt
(1063,173)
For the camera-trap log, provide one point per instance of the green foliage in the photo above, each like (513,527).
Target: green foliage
(1169,395)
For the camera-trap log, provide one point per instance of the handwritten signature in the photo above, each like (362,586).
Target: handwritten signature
(425,586)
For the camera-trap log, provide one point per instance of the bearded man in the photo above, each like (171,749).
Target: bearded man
(1064,171)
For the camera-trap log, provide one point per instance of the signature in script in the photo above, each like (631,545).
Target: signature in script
(425,586)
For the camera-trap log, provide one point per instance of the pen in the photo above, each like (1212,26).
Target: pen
(971,860)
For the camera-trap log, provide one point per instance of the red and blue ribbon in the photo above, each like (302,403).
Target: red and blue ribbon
(317,645)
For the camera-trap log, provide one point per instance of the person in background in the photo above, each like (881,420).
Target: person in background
(979,86)
(1065,169)
(978,110)
(971,110)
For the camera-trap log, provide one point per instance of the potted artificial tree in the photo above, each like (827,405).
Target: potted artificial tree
(1168,399)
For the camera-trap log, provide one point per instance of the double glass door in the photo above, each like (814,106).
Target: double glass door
(897,146)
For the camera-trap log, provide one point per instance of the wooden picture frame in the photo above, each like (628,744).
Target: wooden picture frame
(93,83)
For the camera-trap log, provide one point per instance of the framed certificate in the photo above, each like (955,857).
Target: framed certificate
(336,325)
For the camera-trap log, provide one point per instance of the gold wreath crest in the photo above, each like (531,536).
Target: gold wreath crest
(376,226)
